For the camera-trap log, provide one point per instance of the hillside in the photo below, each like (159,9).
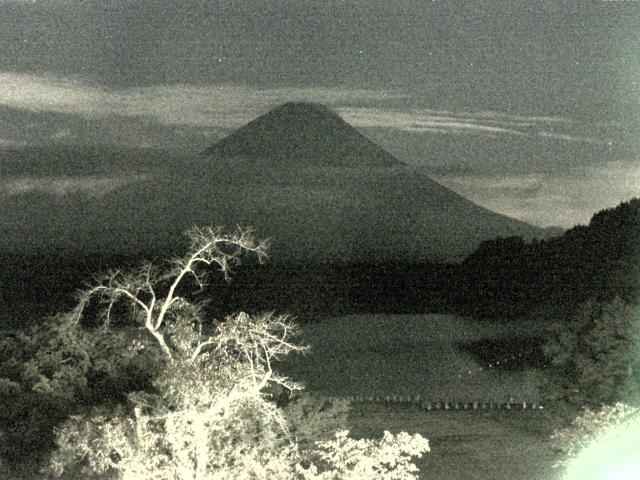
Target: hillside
(600,261)
(299,174)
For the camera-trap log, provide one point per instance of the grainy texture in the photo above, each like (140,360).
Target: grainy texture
(469,445)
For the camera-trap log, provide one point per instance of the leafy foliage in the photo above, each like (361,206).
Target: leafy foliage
(595,355)
(312,418)
(58,369)
(385,459)
(176,435)
(75,360)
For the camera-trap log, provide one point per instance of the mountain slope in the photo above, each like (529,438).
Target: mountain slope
(302,134)
(300,175)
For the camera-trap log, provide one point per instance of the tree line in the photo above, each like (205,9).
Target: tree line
(508,277)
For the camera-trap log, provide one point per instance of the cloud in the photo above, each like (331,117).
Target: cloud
(6,142)
(562,198)
(420,121)
(93,186)
(417,120)
(520,118)
(230,106)
(484,123)
(30,92)
(223,106)
(572,138)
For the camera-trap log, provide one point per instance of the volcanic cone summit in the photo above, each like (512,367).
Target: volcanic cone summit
(299,133)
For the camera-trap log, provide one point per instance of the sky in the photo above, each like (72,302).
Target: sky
(529,108)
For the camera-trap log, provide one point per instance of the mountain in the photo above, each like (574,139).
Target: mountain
(302,134)
(300,175)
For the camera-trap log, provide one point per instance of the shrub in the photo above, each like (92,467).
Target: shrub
(385,459)
(315,417)
(57,370)
(594,357)
(41,380)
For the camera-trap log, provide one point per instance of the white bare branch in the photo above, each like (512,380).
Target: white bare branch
(257,342)
(140,288)
(210,246)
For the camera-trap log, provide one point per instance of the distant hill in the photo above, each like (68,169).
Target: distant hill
(302,176)
(511,277)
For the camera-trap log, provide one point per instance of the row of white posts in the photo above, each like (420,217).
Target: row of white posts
(417,402)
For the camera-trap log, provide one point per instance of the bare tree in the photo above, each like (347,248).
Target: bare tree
(140,288)
(243,340)
(208,415)
(210,379)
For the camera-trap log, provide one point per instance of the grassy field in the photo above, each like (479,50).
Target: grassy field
(494,445)
(409,355)
(420,354)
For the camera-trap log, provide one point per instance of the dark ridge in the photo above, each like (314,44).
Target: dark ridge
(299,133)
(599,261)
